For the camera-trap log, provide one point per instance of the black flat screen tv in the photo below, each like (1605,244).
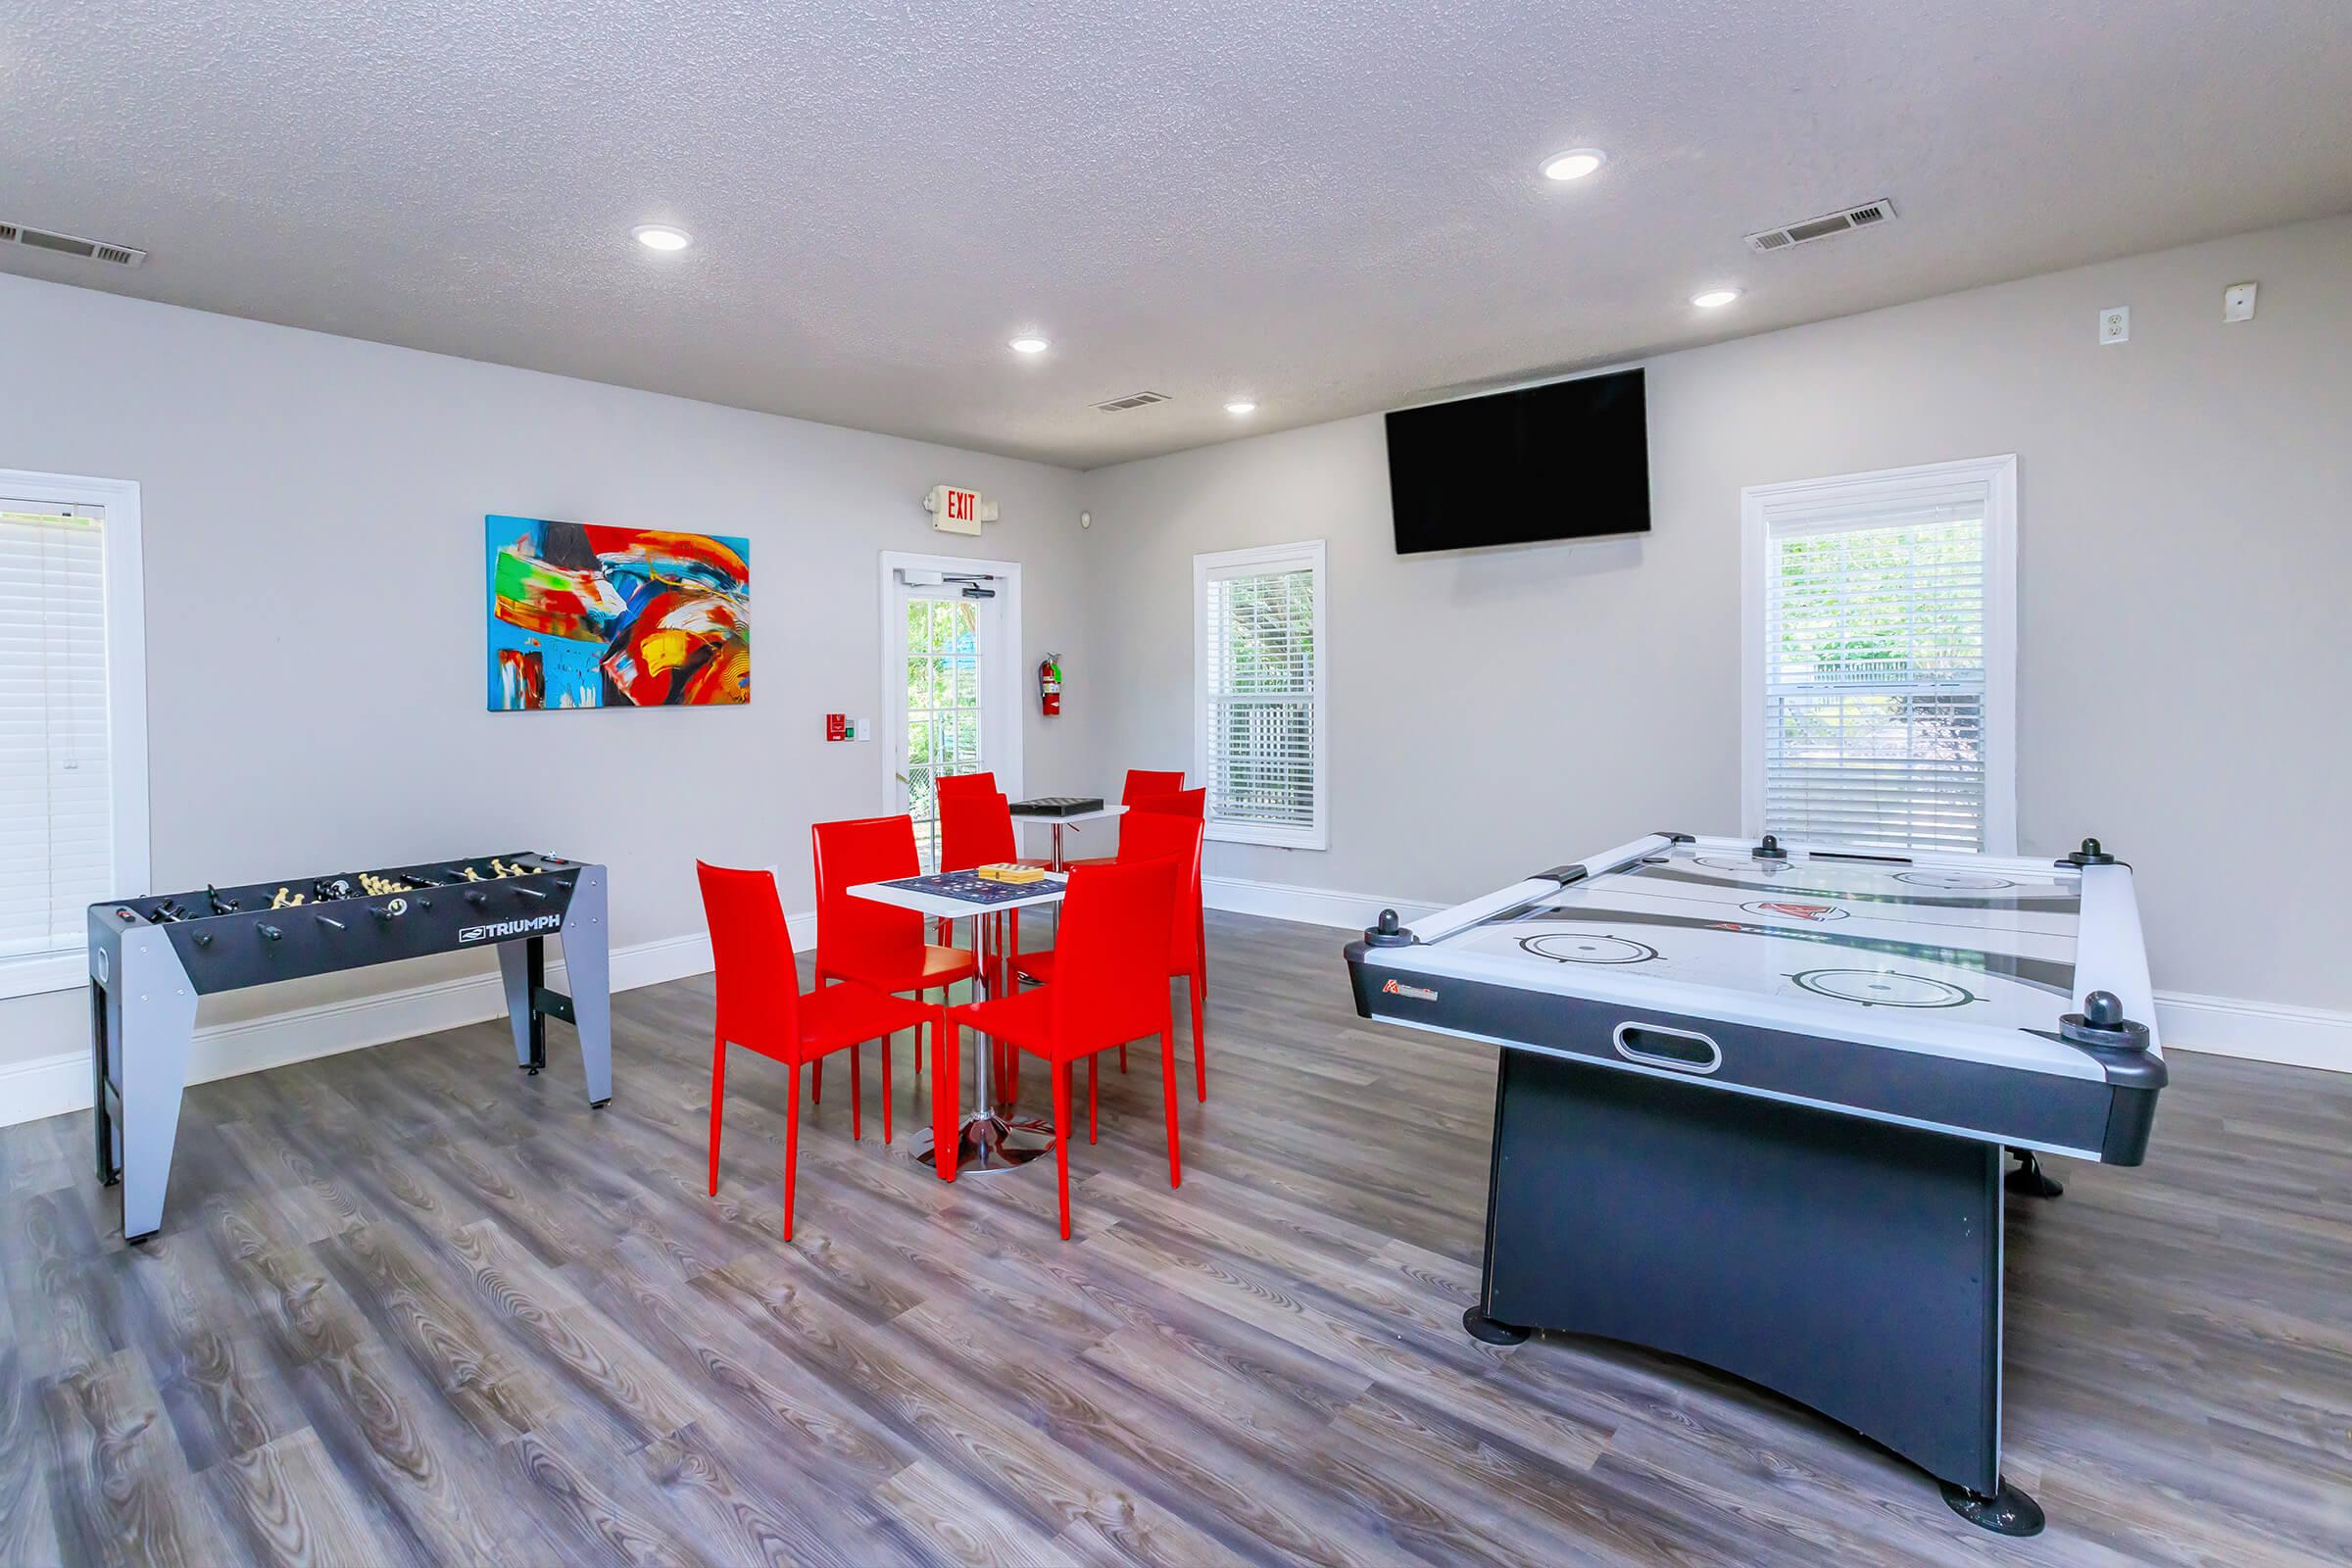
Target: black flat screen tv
(1569,460)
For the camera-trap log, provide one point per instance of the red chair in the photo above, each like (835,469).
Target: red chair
(1112,988)
(1191,804)
(1161,835)
(1143,784)
(950,786)
(976,829)
(953,784)
(761,1007)
(876,945)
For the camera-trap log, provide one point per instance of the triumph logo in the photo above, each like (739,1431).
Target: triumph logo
(1397,988)
(500,930)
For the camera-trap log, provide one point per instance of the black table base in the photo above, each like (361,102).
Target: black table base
(1853,1265)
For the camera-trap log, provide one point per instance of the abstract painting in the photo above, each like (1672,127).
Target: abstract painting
(583,616)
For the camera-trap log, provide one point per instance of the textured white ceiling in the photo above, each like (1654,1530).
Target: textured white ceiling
(1329,204)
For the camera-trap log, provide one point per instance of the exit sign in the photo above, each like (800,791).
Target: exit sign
(955,511)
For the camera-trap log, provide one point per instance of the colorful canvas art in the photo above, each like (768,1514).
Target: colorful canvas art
(583,616)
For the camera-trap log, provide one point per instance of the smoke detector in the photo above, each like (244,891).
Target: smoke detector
(1133,399)
(90,249)
(1867,216)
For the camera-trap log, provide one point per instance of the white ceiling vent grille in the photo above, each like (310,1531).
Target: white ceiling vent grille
(1133,399)
(1866,215)
(93,250)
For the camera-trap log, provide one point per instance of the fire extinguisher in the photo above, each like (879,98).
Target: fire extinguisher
(1049,686)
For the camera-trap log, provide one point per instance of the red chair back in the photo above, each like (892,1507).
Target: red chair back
(955,784)
(1164,836)
(758,988)
(1108,986)
(974,829)
(1191,805)
(1143,784)
(871,849)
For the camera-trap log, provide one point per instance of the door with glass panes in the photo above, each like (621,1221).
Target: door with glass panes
(949,707)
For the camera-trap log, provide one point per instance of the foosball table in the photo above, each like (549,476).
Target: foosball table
(152,957)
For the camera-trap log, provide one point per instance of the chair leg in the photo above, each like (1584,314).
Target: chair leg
(1122,1055)
(857,1094)
(1062,1139)
(943,1104)
(816,1082)
(792,1146)
(1167,1086)
(918,1056)
(1091,1062)
(1197,985)
(718,1104)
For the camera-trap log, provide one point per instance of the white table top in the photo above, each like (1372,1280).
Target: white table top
(1074,816)
(941,907)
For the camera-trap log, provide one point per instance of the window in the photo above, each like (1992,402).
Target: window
(72,719)
(1881,640)
(1257,716)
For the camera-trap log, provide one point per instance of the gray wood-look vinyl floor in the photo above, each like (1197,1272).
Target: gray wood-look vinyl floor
(411,1307)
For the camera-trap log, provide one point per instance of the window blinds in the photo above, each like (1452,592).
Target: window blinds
(1259,639)
(56,812)
(1875,672)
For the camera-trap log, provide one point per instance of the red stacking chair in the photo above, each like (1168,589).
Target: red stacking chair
(1143,784)
(874,944)
(761,1007)
(951,787)
(1161,835)
(966,783)
(1192,803)
(1112,988)
(976,829)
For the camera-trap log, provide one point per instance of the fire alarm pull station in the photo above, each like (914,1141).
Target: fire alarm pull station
(955,511)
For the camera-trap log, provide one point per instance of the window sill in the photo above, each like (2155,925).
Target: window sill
(34,973)
(1285,838)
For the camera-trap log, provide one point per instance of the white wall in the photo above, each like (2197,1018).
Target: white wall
(313,511)
(2185,553)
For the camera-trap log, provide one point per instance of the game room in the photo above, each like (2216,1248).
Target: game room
(1529,784)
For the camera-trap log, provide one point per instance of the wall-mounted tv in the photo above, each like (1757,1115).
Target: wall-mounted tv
(1569,460)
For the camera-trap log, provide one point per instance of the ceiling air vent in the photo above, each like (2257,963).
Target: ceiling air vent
(1133,399)
(43,239)
(1866,215)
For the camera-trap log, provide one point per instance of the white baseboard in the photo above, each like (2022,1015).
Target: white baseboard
(2222,1026)
(1278,900)
(2259,1031)
(51,1086)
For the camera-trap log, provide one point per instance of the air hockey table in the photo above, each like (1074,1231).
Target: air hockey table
(1755,1099)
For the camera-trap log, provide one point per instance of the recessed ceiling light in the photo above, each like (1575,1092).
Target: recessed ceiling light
(1574,164)
(662,237)
(1715,299)
(1241,406)
(1031,344)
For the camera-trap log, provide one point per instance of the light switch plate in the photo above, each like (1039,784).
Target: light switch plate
(2237,302)
(2114,324)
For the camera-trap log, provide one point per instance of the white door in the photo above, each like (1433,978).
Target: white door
(951,642)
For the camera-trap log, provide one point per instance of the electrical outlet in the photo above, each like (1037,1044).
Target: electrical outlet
(2114,324)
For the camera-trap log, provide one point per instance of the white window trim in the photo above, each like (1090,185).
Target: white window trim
(126,702)
(1004,665)
(1310,554)
(1998,475)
